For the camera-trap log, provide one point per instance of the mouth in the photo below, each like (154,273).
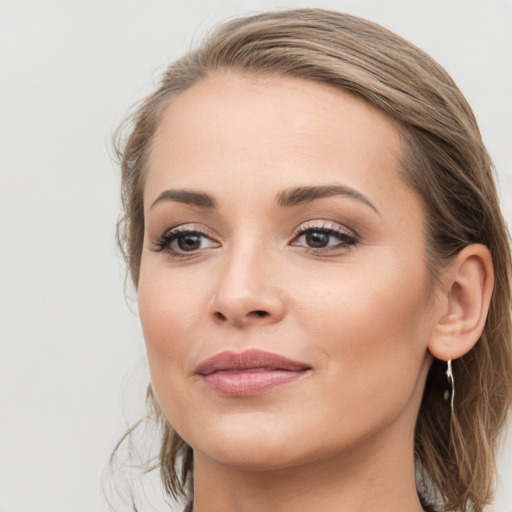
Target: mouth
(249,373)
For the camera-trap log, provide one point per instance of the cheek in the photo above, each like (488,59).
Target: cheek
(167,324)
(374,347)
(168,314)
(372,324)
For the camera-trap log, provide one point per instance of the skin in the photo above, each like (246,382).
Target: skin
(360,313)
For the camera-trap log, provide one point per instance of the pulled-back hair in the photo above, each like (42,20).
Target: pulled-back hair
(444,161)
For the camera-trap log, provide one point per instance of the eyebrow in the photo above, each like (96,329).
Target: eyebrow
(285,199)
(186,197)
(301,195)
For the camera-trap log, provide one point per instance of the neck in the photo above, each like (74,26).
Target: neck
(378,477)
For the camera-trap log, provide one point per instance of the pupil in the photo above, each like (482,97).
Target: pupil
(189,242)
(317,239)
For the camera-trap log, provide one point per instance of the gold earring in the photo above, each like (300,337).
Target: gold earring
(450,393)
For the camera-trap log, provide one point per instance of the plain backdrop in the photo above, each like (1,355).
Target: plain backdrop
(72,369)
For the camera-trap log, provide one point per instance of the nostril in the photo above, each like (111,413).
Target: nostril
(259,313)
(239,317)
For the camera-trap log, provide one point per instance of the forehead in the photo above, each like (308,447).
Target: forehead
(233,130)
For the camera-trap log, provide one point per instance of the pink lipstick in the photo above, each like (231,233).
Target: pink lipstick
(249,373)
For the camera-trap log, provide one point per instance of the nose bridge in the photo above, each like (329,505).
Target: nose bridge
(247,289)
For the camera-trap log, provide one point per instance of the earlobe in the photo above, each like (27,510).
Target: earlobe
(464,296)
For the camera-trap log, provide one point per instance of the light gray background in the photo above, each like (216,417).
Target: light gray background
(71,352)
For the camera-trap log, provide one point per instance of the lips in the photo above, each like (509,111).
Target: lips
(248,373)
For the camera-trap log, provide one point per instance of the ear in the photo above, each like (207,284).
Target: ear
(463,298)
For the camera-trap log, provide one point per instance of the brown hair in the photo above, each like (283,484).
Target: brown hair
(445,161)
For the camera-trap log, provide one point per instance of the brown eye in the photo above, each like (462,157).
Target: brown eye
(190,242)
(317,239)
(183,241)
(328,238)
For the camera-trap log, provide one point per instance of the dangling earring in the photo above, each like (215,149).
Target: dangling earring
(450,393)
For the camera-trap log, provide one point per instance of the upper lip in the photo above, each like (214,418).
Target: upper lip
(250,359)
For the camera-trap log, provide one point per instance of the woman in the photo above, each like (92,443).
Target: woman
(323,273)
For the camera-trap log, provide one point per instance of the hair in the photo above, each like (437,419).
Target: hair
(444,161)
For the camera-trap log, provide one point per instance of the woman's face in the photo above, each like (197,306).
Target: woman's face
(284,293)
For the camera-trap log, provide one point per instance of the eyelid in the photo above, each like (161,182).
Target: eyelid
(324,224)
(190,227)
(161,242)
(347,239)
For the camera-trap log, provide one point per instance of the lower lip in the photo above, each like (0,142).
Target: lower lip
(249,383)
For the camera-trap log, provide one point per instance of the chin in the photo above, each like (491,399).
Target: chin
(252,458)
(248,445)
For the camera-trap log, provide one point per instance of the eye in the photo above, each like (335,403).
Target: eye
(323,238)
(184,241)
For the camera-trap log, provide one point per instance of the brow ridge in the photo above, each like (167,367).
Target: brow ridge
(287,198)
(184,196)
(301,195)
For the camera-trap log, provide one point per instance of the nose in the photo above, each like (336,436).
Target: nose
(247,292)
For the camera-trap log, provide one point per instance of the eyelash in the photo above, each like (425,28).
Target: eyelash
(162,244)
(347,240)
